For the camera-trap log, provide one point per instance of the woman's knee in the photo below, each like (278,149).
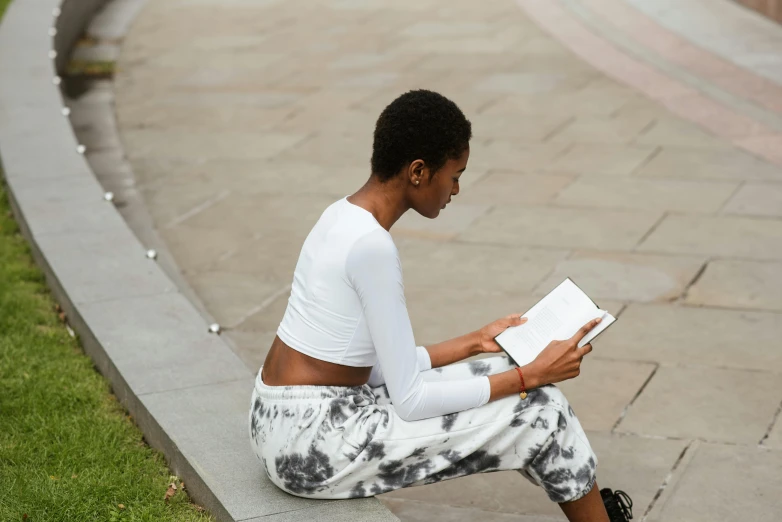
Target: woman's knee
(564,463)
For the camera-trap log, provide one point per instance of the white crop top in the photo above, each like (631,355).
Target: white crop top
(347,306)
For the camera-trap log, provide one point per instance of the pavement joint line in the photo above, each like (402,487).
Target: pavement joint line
(721,211)
(774,420)
(648,159)
(686,290)
(651,230)
(262,306)
(647,128)
(168,291)
(556,130)
(195,386)
(621,310)
(598,357)
(322,502)
(198,209)
(666,480)
(629,209)
(637,394)
(698,439)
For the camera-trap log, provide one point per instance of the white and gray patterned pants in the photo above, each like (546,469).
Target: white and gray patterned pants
(335,442)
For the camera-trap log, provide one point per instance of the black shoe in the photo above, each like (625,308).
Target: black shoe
(618,505)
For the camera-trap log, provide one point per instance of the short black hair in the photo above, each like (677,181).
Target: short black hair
(419,124)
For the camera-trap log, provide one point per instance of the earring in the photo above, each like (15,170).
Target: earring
(415,182)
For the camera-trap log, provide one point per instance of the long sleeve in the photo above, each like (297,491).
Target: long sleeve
(374,270)
(376,377)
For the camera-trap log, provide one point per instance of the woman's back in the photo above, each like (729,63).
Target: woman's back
(324,318)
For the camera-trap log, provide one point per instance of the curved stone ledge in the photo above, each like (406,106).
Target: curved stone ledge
(187,390)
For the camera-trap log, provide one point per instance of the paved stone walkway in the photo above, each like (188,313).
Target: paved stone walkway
(244,119)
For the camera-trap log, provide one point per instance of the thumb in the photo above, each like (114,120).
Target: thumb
(516,320)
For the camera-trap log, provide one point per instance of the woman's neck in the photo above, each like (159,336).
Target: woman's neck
(385,201)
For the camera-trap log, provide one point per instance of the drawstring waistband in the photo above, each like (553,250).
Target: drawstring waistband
(306,391)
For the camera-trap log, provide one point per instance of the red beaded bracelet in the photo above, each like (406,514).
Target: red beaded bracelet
(523,393)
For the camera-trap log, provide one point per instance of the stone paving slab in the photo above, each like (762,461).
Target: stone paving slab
(738,237)
(719,472)
(250,212)
(620,130)
(232,295)
(774,439)
(328,511)
(20,148)
(460,216)
(505,187)
(625,276)
(601,159)
(509,126)
(757,199)
(561,227)
(739,284)
(197,249)
(690,163)
(466,266)
(647,194)
(45,205)
(720,405)
(507,154)
(112,255)
(677,133)
(418,511)
(159,143)
(683,335)
(638,464)
(166,354)
(604,388)
(251,346)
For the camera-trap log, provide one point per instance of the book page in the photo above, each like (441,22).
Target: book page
(557,316)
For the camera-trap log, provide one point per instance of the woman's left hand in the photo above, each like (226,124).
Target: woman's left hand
(486,335)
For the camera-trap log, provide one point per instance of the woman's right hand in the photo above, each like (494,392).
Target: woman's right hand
(561,360)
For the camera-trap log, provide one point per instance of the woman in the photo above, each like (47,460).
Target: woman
(346,405)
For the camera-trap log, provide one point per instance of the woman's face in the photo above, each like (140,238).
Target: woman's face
(433,192)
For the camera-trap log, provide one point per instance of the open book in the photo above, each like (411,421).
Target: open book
(556,317)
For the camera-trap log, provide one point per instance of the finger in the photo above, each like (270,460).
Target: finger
(584,330)
(587,348)
(515,320)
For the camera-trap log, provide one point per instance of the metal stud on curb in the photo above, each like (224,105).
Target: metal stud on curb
(66,111)
(215,328)
(151,253)
(108,196)
(56,80)
(52,31)
(56,12)
(81,149)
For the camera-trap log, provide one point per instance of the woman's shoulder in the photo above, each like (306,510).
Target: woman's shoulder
(373,248)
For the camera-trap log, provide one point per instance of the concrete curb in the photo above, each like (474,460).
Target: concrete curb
(187,390)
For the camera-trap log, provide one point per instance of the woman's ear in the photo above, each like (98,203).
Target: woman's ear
(417,171)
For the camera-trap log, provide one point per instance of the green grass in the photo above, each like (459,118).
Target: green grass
(68,450)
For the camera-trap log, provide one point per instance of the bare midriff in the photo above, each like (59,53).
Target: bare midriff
(285,366)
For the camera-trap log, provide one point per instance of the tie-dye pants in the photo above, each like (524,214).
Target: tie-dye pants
(335,442)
